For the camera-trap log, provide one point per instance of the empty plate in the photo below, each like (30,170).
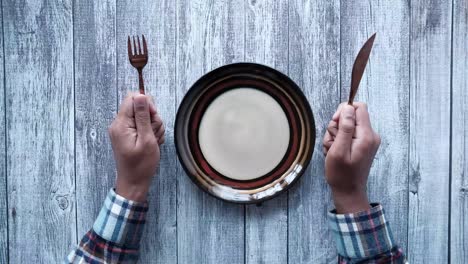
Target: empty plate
(244,133)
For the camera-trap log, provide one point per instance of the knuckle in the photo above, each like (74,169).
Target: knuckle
(324,141)
(363,105)
(347,127)
(349,118)
(378,139)
(346,162)
(130,154)
(149,142)
(368,140)
(338,157)
(112,129)
(364,147)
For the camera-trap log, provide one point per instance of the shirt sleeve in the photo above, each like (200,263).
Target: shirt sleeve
(364,237)
(116,233)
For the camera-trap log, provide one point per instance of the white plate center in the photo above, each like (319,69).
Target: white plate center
(244,133)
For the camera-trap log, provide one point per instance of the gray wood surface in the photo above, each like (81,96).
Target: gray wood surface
(314,64)
(64,70)
(429,144)
(266,42)
(157,21)
(40,129)
(384,87)
(95,106)
(209,34)
(3,175)
(459,191)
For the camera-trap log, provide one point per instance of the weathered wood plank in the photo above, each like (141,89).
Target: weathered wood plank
(384,87)
(209,34)
(40,129)
(157,21)
(3,176)
(266,42)
(459,206)
(314,64)
(430,56)
(95,106)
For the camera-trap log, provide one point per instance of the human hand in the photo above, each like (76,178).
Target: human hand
(350,145)
(136,134)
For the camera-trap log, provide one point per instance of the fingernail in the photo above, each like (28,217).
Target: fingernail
(140,101)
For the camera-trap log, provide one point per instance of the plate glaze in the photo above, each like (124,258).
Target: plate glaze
(294,105)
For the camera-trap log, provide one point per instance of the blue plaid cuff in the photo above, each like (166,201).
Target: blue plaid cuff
(121,221)
(361,235)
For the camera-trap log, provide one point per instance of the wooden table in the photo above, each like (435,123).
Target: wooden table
(64,70)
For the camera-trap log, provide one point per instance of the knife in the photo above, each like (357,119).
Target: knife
(359,67)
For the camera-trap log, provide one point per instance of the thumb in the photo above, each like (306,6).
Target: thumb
(142,115)
(346,126)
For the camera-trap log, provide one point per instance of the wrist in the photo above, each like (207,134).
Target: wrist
(350,202)
(134,192)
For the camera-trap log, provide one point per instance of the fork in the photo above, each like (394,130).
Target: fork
(138,59)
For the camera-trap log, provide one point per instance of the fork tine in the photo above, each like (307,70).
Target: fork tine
(134,47)
(145,48)
(139,47)
(129,44)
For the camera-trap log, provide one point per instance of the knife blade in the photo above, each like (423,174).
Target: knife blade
(359,67)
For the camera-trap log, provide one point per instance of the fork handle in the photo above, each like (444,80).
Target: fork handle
(140,77)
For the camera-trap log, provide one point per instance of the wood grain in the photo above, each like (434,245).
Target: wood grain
(95,106)
(3,175)
(66,71)
(430,57)
(209,34)
(314,64)
(266,42)
(459,194)
(385,88)
(157,21)
(40,129)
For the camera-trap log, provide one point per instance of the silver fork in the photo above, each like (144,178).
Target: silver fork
(138,59)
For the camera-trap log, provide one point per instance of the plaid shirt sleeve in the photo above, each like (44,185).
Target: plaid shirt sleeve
(115,235)
(364,237)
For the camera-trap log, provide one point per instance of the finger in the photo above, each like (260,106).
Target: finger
(142,116)
(347,123)
(362,114)
(153,109)
(160,132)
(336,115)
(325,151)
(363,124)
(332,128)
(327,140)
(162,140)
(126,107)
(156,121)
(156,124)
(328,144)
(154,127)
